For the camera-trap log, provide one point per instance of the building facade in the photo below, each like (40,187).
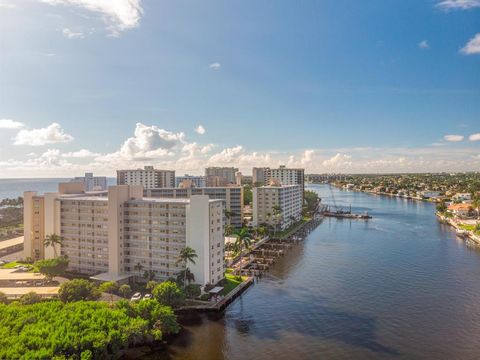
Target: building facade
(220,176)
(148,177)
(92,183)
(197,181)
(125,234)
(232,195)
(277,206)
(283,175)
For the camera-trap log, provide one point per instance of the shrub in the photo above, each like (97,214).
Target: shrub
(78,289)
(168,293)
(30,298)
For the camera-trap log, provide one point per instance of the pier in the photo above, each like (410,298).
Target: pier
(262,257)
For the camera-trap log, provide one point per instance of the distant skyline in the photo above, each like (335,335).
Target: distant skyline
(332,86)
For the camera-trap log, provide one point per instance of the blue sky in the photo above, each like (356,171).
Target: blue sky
(332,86)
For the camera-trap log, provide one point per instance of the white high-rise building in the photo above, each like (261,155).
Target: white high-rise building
(279,206)
(283,175)
(125,234)
(92,183)
(148,177)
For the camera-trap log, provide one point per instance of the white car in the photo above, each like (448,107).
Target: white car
(147,296)
(137,296)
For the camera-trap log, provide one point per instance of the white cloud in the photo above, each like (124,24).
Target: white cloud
(453,138)
(148,142)
(423,44)
(71,34)
(472,47)
(339,160)
(458,4)
(80,154)
(215,66)
(200,130)
(36,137)
(118,15)
(474,137)
(10,124)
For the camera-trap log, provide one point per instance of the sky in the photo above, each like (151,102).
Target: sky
(376,86)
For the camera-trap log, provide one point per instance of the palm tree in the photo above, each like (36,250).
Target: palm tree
(138,267)
(243,240)
(53,240)
(277,213)
(229,214)
(187,254)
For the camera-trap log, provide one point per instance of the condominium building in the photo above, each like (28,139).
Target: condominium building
(92,183)
(148,177)
(232,195)
(197,181)
(279,206)
(283,175)
(125,234)
(220,176)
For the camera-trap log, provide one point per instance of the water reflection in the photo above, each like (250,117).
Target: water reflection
(400,286)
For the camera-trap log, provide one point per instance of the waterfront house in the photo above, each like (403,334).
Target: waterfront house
(460,210)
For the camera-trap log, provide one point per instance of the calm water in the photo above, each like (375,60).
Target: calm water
(400,286)
(12,188)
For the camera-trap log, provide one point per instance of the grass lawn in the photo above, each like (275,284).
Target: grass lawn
(231,282)
(12,264)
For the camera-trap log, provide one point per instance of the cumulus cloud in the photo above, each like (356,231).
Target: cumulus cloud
(72,34)
(458,4)
(453,138)
(80,154)
(339,160)
(7,5)
(474,137)
(118,15)
(215,66)
(52,134)
(149,142)
(472,47)
(200,130)
(423,44)
(10,124)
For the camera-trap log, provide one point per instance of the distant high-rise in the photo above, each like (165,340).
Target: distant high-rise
(148,177)
(197,181)
(220,176)
(92,183)
(283,175)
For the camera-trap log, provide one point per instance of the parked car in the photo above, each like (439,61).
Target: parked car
(137,296)
(147,296)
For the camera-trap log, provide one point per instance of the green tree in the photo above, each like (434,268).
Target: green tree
(187,254)
(125,290)
(52,267)
(441,207)
(311,201)
(149,275)
(77,290)
(109,287)
(151,285)
(53,240)
(30,298)
(168,293)
(193,290)
(247,194)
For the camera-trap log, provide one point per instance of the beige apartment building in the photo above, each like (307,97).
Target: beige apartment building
(232,195)
(220,176)
(148,177)
(123,233)
(289,198)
